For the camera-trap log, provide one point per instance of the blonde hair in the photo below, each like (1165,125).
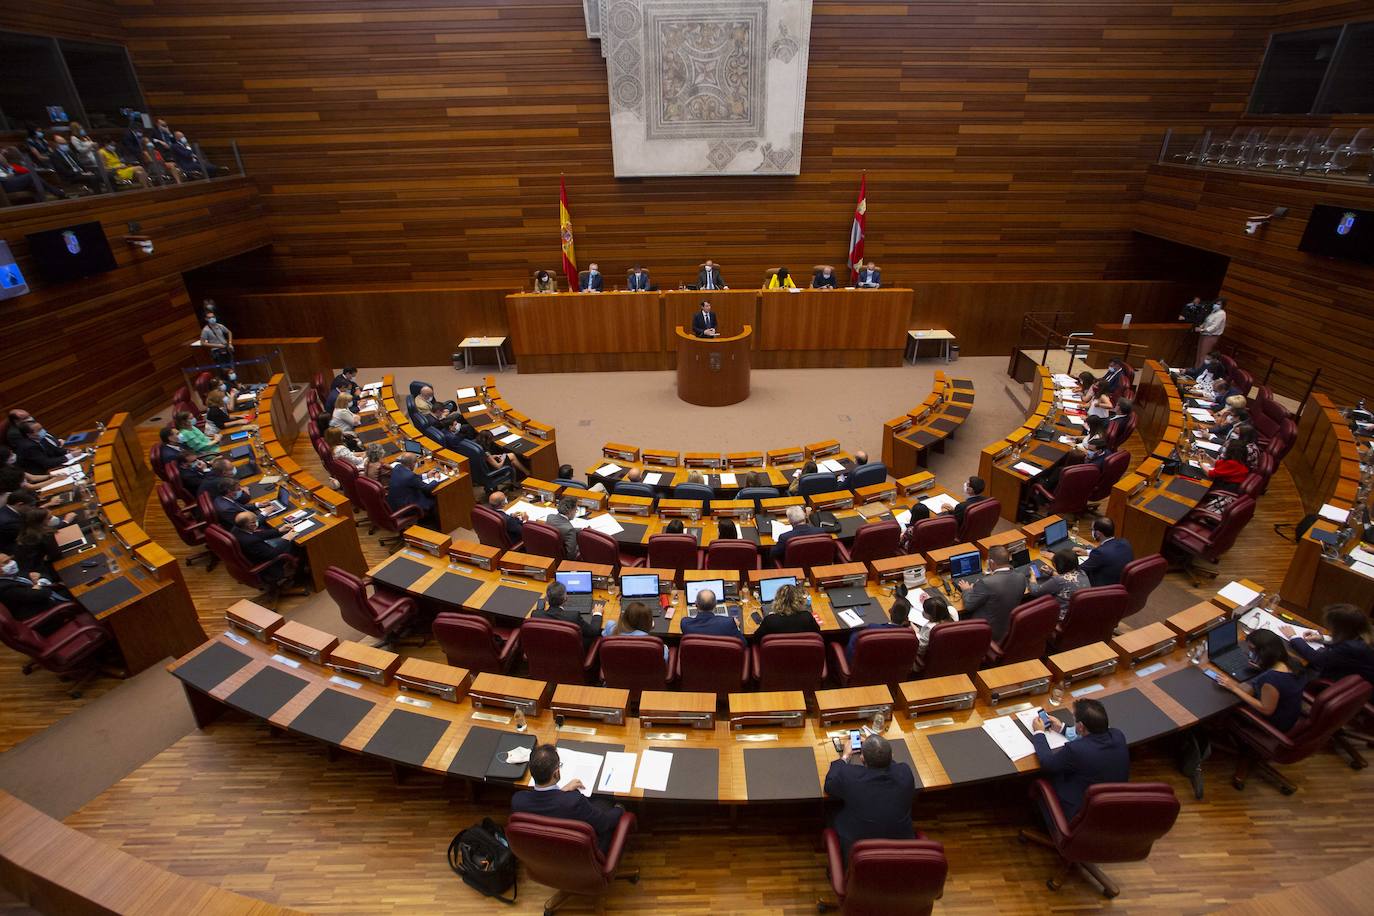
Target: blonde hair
(343,400)
(695,477)
(1236,401)
(216,399)
(789,600)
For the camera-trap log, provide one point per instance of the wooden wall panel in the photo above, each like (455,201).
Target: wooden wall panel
(95,19)
(71,353)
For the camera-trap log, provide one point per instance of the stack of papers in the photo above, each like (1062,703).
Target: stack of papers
(466,393)
(1260,619)
(1208,446)
(654,767)
(607,469)
(727,479)
(1076,421)
(1009,738)
(1027,716)
(606,524)
(1239,594)
(532,512)
(831,465)
(577,765)
(507,440)
(1065,381)
(1199,413)
(937,504)
(1334,513)
(780,528)
(903,517)
(654,479)
(476,408)
(1025,467)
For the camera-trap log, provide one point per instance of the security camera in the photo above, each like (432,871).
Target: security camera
(1253,224)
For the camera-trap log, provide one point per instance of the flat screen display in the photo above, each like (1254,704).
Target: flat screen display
(71,253)
(12,282)
(1340,232)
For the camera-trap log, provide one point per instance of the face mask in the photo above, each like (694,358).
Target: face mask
(38,135)
(62,146)
(11,568)
(81,133)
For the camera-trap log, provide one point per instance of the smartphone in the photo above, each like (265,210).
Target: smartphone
(856,739)
(1044,718)
(1212,674)
(756,617)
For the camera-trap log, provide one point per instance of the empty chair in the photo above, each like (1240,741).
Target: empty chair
(956,647)
(1141,577)
(673,551)
(490,526)
(1266,154)
(1263,745)
(471,642)
(1293,151)
(70,650)
(1119,822)
(757,493)
(979,520)
(155,460)
(1029,629)
(600,547)
(1092,617)
(1325,148)
(886,876)
(1201,547)
(270,577)
(866,475)
(1070,497)
(553,650)
(711,664)
(1113,469)
(1239,147)
(382,614)
(190,529)
(543,540)
(733,553)
(934,533)
(790,661)
(1351,156)
(810,550)
(881,656)
(694,491)
(564,855)
(811,484)
(635,663)
(874,541)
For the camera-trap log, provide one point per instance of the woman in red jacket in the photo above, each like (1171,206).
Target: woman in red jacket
(1231,470)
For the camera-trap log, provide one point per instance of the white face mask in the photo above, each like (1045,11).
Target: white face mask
(11,568)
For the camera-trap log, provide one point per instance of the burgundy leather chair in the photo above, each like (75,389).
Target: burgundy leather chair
(1093,616)
(490,527)
(1070,497)
(711,664)
(1264,745)
(600,547)
(313,405)
(979,520)
(956,647)
(733,553)
(270,577)
(543,540)
(1113,469)
(471,642)
(155,461)
(673,551)
(810,550)
(874,541)
(1029,630)
(553,650)
(383,615)
(1124,431)
(68,651)
(1287,434)
(1119,822)
(563,855)
(934,534)
(1141,577)
(379,514)
(202,384)
(173,480)
(881,656)
(790,661)
(190,529)
(1265,422)
(1193,540)
(885,877)
(635,663)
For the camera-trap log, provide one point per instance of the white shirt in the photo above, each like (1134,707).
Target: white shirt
(1214,324)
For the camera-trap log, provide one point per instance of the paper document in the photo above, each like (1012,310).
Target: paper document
(831,465)
(606,470)
(1025,467)
(1238,594)
(1067,381)
(1364,569)
(466,393)
(850,617)
(577,765)
(1076,421)
(653,480)
(579,523)
(617,774)
(727,479)
(56,484)
(1027,716)
(937,504)
(780,528)
(1199,413)
(1360,555)
(1068,440)
(654,767)
(1208,446)
(1008,737)
(606,524)
(498,431)
(298,528)
(903,517)
(507,440)
(1334,513)
(532,512)
(475,408)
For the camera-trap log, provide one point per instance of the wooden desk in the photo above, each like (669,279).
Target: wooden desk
(832,328)
(587,332)
(302,356)
(713,371)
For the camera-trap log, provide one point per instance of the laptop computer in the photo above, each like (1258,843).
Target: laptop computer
(768,588)
(413,447)
(579,586)
(716,586)
(966,567)
(239,453)
(639,586)
(277,505)
(1057,535)
(1224,651)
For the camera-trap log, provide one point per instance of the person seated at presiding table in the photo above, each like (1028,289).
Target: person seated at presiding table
(1095,452)
(261,543)
(220,469)
(1350,649)
(591,280)
(799,517)
(705,621)
(38,450)
(789,613)
(35,548)
(1095,404)
(334,438)
(561,521)
(973,493)
(190,437)
(408,488)
(675,526)
(25,596)
(1230,470)
(995,595)
(424,403)
(704,323)
(500,456)
(1067,579)
(899,615)
(1119,420)
(875,798)
(1105,561)
(930,611)
(169,448)
(515,521)
(860,459)
(549,799)
(636,619)
(1114,380)
(14,516)
(1246,435)
(708,277)
(217,416)
(1276,692)
(870,277)
(1095,753)
(551,607)
(781,279)
(9,466)
(823,278)
(544,282)
(637,280)
(1234,413)
(726,529)
(375,466)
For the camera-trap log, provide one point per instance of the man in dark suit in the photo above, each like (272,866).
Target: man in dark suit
(823,278)
(408,488)
(561,521)
(38,452)
(877,796)
(1114,380)
(64,162)
(1119,421)
(870,277)
(220,469)
(231,501)
(708,277)
(800,521)
(705,622)
(973,493)
(192,471)
(549,799)
(551,608)
(168,451)
(704,322)
(1104,564)
(23,596)
(343,382)
(993,597)
(262,544)
(515,524)
(1095,753)
(591,279)
(638,280)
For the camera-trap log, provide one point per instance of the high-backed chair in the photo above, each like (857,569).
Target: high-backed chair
(1262,745)
(1071,496)
(874,541)
(979,520)
(757,493)
(866,475)
(1119,822)
(790,661)
(635,663)
(190,529)
(553,650)
(534,279)
(955,647)
(694,491)
(384,614)
(270,577)
(711,664)
(934,533)
(155,460)
(380,514)
(1092,617)
(490,527)
(733,553)
(68,650)
(810,550)
(470,642)
(673,551)
(1113,469)
(543,540)
(564,855)
(600,547)
(633,488)
(487,478)
(1141,577)
(885,876)
(1029,630)
(821,482)
(884,656)
(1195,541)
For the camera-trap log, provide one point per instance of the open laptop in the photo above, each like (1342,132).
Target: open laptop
(1057,535)
(639,586)
(277,505)
(716,586)
(579,586)
(1224,651)
(768,588)
(966,567)
(414,448)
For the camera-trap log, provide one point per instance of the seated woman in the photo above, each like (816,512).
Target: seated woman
(35,548)
(24,596)
(1066,580)
(789,613)
(501,455)
(1230,471)
(933,611)
(635,620)
(8,459)
(919,513)
(899,616)
(343,418)
(111,162)
(726,530)
(1095,403)
(781,280)
(1233,414)
(808,468)
(675,526)
(333,437)
(544,282)
(190,437)
(374,468)
(1249,436)
(1349,650)
(217,416)
(1276,692)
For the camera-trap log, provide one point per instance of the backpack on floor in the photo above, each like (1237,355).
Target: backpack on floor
(482,858)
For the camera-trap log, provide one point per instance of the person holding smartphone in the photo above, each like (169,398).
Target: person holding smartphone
(876,797)
(1095,753)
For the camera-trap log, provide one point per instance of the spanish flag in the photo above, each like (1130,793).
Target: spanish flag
(565,230)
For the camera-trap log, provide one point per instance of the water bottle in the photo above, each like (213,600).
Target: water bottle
(519,718)
(1195,653)
(879,722)
(1057,693)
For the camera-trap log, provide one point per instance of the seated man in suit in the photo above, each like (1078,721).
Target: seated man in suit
(876,797)
(408,488)
(220,469)
(705,622)
(551,607)
(823,278)
(638,280)
(515,523)
(169,449)
(38,451)
(1095,452)
(343,382)
(800,519)
(704,322)
(231,500)
(973,493)
(870,277)
(995,595)
(193,471)
(73,172)
(23,596)
(1095,753)
(1105,562)
(561,521)
(1119,421)
(708,277)
(1115,379)
(592,281)
(549,799)
(860,459)
(262,544)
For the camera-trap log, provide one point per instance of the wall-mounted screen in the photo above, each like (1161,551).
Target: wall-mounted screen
(1340,232)
(71,252)
(12,282)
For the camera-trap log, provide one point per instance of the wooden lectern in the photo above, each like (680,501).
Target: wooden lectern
(713,371)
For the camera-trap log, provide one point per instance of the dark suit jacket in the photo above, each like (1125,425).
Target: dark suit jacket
(38,456)
(587,626)
(870,277)
(819,281)
(572,806)
(66,164)
(192,478)
(877,803)
(262,546)
(787,623)
(639,281)
(226,509)
(514,526)
(595,281)
(1082,763)
(1111,382)
(963,506)
(701,322)
(714,278)
(710,625)
(1338,660)
(565,529)
(408,489)
(10,526)
(22,600)
(779,550)
(993,598)
(1103,566)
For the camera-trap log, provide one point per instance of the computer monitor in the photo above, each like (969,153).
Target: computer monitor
(1056,531)
(1222,638)
(965,564)
(716,586)
(642,586)
(283,497)
(1020,558)
(576,582)
(768,588)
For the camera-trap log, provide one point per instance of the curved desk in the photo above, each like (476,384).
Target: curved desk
(908,439)
(713,371)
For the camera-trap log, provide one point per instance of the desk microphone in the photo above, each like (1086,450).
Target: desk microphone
(949,592)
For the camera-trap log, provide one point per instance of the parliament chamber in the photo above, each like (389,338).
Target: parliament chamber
(748,456)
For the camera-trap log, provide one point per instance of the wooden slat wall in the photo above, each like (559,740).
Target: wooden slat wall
(1308,312)
(75,352)
(97,19)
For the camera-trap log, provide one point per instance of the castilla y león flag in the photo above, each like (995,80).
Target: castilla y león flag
(856,234)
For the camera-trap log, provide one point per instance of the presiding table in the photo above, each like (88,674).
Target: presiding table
(713,371)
